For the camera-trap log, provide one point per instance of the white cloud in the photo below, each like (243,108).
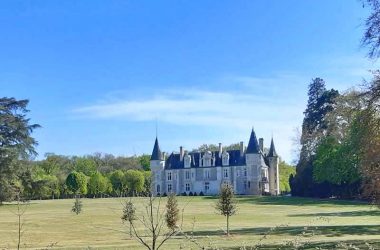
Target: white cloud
(272,104)
(236,111)
(197,108)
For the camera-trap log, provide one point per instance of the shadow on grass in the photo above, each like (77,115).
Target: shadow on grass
(292,201)
(14,204)
(329,231)
(359,244)
(340,214)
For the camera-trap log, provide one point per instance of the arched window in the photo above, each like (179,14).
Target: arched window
(207,159)
(187,161)
(225,158)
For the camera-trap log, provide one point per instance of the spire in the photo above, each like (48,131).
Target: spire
(253,145)
(156,154)
(272,150)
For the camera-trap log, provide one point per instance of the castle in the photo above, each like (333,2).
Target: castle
(249,170)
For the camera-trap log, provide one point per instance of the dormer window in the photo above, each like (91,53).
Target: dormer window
(225,158)
(187,161)
(207,159)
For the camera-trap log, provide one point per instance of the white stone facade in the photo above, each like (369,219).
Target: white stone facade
(249,170)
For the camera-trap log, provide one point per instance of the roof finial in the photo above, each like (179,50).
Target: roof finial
(156,127)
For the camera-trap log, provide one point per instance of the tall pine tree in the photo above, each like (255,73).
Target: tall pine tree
(314,129)
(15,144)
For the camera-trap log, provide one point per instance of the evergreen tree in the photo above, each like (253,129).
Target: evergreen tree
(15,143)
(314,129)
(172,212)
(77,183)
(129,214)
(226,204)
(77,207)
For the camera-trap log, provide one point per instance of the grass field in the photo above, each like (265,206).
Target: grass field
(99,225)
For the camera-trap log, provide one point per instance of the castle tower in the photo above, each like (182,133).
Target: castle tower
(157,165)
(253,158)
(274,181)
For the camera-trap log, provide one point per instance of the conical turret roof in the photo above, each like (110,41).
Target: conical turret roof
(253,145)
(156,154)
(272,150)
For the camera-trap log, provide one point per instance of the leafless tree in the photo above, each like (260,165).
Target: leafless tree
(155,232)
(21,208)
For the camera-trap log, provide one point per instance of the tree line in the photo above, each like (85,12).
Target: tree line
(340,143)
(97,175)
(58,176)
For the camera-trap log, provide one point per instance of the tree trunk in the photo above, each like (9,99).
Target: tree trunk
(19,231)
(228,225)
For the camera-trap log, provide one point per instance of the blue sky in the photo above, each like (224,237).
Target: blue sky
(99,74)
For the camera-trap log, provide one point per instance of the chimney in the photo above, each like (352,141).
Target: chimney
(220,150)
(241,148)
(181,153)
(261,144)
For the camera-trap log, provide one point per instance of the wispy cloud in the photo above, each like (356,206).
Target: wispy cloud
(272,104)
(205,108)
(237,109)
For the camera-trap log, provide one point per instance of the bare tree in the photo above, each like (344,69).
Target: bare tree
(21,208)
(155,234)
(371,37)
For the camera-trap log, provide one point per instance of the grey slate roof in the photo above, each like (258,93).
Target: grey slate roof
(156,154)
(272,150)
(253,145)
(174,161)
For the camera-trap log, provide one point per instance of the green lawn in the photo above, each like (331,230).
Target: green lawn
(99,226)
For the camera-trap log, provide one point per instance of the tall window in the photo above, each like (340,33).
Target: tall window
(207,159)
(187,175)
(237,172)
(225,158)
(225,173)
(158,189)
(157,174)
(187,187)
(245,185)
(169,176)
(207,174)
(245,172)
(187,161)
(207,186)
(169,188)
